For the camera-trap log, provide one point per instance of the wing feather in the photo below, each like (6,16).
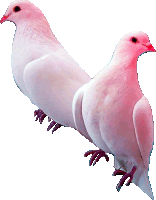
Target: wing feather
(77,112)
(144,128)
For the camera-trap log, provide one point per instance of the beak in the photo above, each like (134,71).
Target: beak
(4,18)
(149,47)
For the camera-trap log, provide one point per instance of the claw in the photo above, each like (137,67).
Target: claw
(89,152)
(119,172)
(36,112)
(128,182)
(42,118)
(39,114)
(93,158)
(125,176)
(51,125)
(57,126)
(98,158)
(96,155)
(49,119)
(37,117)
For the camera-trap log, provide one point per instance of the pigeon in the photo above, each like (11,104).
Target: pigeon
(18,68)
(42,68)
(116,114)
(33,39)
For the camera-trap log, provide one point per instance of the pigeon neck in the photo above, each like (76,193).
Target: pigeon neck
(125,70)
(124,59)
(36,30)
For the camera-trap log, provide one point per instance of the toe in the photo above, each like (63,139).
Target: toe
(89,153)
(51,125)
(93,158)
(118,172)
(57,126)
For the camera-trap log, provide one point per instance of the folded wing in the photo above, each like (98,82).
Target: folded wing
(144,129)
(77,112)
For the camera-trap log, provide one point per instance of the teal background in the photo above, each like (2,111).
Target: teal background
(34,164)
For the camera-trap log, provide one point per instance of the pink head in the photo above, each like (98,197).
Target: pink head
(21,10)
(132,45)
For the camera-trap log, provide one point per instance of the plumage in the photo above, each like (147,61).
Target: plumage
(77,109)
(41,67)
(116,114)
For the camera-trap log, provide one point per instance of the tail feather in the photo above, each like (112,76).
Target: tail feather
(140,178)
(144,184)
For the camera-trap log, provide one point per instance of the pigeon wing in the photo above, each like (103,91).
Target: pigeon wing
(144,128)
(77,111)
(33,72)
(52,81)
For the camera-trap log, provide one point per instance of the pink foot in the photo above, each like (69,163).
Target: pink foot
(39,114)
(125,176)
(96,155)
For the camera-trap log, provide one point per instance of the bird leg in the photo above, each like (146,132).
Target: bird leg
(124,177)
(96,155)
(39,114)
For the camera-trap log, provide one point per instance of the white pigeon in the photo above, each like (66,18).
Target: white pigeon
(116,114)
(41,67)
(55,83)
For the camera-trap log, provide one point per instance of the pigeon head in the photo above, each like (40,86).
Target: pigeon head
(20,11)
(132,45)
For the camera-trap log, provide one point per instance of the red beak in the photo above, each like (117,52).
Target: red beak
(4,18)
(150,47)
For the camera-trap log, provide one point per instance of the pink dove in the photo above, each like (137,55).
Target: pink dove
(116,114)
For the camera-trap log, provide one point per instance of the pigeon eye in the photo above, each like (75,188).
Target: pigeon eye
(17,8)
(134,39)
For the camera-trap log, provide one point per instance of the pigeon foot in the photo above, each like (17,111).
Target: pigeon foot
(53,125)
(125,176)
(96,155)
(40,115)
